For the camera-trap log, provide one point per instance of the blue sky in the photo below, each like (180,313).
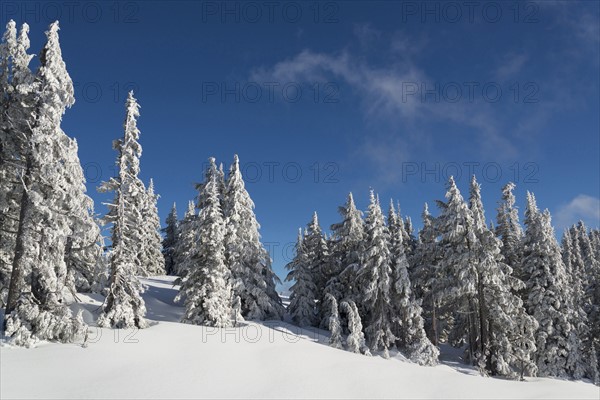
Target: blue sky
(323,98)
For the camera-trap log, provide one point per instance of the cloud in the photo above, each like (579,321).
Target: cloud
(386,92)
(582,17)
(582,207)
(512,66)
(366,34)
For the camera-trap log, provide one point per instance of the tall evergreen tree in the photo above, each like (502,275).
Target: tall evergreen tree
(151,257)
(317,252)
(408,324)
(509,230)
(375,280)
(206,289)
(247,258)
(506,333)
(355,342)
(186,242)
(84,247)
(302,307)
(426,276)
(333,324)
(457,290)
(582,270)
(547,292)
(124,306)
(318,258)
(169,244)
(17,101)
(409,240)
(347,247)
(52,183)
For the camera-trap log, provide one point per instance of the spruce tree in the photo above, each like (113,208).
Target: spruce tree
(152,258)
(457,289)
(409,240)
(17,101)
(84,247)
(547,292)
(302,307)
(206,289)
(186,242)
(347,247)
(169,244)
(426,276)
(506,333)
(124,306)
(355,342)
(408,324)
(247,258)
(509,230)
(580,263)
(375,280)
(333,324)
(52,184)
(319,262)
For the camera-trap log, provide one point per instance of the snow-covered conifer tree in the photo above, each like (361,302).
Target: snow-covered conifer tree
(408,322)
(426,276)
(124,306)
(506,333)
(347,247)
(206,289)
(17,100)
(547,292)
(248,260)
(169,244)
(457,289)
(302,307)
(319,262)
(52,182)
(186,242)
(409,240)
(580,264)
(355,342)
(151,257)
(334,325)
(509,230)
(375,280)
(84,247)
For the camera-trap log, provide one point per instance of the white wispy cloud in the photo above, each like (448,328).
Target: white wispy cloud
(582,207)
(511,66)
(496,131)
(385,92)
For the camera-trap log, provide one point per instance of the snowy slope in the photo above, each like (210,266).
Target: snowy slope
(268,360)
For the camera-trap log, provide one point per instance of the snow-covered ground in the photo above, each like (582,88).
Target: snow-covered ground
(267,360)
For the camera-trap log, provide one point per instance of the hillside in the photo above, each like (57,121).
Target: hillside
(267,360)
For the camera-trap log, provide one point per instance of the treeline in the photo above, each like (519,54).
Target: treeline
(516,301)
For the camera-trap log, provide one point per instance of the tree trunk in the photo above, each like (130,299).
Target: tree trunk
(482,319)
(16,279)
(434,326)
